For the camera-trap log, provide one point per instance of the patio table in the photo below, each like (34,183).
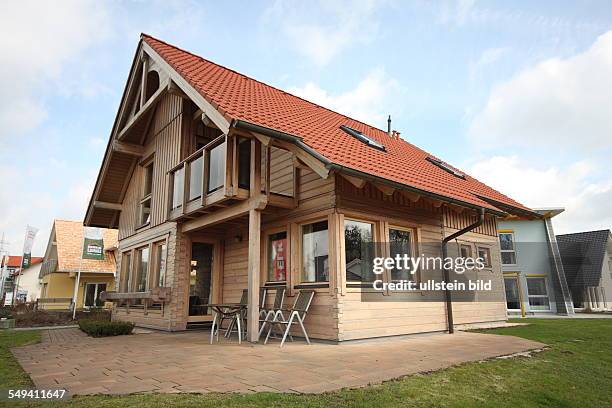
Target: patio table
(226,310)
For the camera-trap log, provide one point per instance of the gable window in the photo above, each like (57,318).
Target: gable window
(400,243)
(506,243)
(145,202)
(277,257)
(485,254)
(359,252)
(538,295)
(363,138)
(315,252)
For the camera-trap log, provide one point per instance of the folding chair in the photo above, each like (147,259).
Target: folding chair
(244,299)
(296,313)
(279,298)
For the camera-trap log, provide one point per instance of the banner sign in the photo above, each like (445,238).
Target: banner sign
(93,243)
(27,246)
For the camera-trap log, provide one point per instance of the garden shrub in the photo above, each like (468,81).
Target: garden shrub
(103,328)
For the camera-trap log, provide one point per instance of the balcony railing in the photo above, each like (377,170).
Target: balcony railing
(47,267)
(202,171)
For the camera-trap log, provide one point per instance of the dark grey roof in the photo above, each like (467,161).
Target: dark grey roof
(582,254)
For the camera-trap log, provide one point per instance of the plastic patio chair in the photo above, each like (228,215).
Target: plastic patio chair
(296,315)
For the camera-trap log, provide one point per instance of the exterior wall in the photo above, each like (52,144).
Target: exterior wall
(61,285)
(532,258)
(29,282)
(606,280)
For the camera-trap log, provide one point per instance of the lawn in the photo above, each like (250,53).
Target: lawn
(576,371)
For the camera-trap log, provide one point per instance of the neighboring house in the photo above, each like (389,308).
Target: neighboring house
(62,262)
(533,272)
(29,285)
(219,183)
(587,260)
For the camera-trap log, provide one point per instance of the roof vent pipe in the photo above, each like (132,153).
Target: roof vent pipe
(389,126)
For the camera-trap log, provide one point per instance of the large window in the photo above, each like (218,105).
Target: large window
(315,252)
(277,257)
(145,202)
(508,253)
(159,249)
(244,162)
(538,295)
(126,272)
(142,269)
(359,251)
(400,243)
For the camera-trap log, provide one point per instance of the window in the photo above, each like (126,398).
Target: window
(400,243)
(506,243)
(363,138)
(315,252)
(359,251)
(126,271)
(485,254)
(244,162)
(465,251)
(142,269)
(277,257)
(538,295)
(177,188)
(159,249)
(145,202)
(445,167)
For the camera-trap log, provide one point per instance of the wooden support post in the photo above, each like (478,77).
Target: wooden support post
(254,273)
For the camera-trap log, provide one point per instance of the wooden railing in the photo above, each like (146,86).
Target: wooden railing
(47,267)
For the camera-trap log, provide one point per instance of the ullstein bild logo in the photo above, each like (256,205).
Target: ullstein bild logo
(423,263)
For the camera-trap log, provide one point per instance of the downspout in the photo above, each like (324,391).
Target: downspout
(445,241)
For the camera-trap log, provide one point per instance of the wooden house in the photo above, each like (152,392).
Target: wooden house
(218,183)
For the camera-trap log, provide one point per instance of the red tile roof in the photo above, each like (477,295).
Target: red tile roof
(14,261)
(239,97)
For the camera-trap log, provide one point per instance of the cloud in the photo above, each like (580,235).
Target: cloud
(33,58)
(370,101)
(586,203)
(560,102)
(321,33)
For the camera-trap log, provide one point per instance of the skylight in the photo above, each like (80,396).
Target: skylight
(363,138)
(446,167)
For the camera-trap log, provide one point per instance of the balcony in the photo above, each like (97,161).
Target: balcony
(217,176)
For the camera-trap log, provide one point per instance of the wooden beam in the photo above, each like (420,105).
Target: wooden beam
(142,112)
(217,117)
(128,148)
(175,90)
(314,164)
(265,140)
(254,274)
(107,206)
(356,181)
(436,203)
(414,197)
(225,214)
(255,184)
(143,82)
(385,189)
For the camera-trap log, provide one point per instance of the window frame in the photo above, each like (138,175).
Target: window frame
(489,263)
(413,247)
(126,271)
(147,165)
(513,250)
(300,252)
(375,233)
(546,296)
(465,245)
(155,268)
(267,234)
(136,269)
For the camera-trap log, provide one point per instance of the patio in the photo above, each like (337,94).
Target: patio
(186,362)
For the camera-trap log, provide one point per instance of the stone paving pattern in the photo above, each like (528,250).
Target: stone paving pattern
(186,362)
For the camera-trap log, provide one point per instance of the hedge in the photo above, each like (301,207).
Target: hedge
(102,328)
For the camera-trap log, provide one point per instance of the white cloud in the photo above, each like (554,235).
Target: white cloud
(587,203)
(559,102)
(38,39)
(325,30)
(370,101)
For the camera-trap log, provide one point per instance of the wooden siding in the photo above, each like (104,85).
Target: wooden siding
(163,143)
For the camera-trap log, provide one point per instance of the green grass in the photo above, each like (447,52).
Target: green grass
(575,372)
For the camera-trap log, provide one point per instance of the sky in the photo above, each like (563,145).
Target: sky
(517,94)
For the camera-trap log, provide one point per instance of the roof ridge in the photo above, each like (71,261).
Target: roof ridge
(263,83)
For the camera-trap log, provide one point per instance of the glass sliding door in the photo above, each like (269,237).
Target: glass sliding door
(513,296)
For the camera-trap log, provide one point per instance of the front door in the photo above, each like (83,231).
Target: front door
(200,281)
(92,294)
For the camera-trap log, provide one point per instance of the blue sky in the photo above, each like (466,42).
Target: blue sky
(517,94)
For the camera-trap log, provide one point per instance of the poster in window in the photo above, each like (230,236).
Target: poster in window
(279,264)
